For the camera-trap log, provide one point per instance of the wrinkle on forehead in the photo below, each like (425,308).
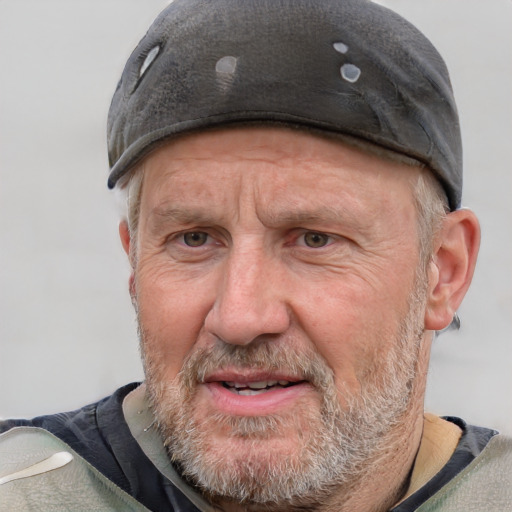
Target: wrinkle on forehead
(284,176)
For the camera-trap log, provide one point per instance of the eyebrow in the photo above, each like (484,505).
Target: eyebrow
(320,214)
(166,214)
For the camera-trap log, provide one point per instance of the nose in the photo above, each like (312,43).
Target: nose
(250,301)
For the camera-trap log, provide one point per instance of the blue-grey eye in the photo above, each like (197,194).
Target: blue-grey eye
(315,240)
(195,238)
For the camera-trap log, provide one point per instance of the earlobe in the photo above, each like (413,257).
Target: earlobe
(452,267)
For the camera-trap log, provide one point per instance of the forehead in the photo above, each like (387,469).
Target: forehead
(273,162)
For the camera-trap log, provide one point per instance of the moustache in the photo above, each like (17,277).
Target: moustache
(269,357)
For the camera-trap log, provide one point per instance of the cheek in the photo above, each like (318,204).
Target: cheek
(353,327)
(171,314)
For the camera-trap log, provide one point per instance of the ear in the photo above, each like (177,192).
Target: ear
(126,241)
(124,234)
(452,267)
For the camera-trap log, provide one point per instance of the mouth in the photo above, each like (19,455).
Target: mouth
(257,387)
(254,393)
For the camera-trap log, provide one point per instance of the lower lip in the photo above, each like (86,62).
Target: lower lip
(270,402)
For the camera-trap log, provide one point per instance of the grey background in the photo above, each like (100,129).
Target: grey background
(67,331)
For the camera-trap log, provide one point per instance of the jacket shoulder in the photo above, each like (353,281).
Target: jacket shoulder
(40,472)
(86,430)
(485,484)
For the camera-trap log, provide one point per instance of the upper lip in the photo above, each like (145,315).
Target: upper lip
(246,376)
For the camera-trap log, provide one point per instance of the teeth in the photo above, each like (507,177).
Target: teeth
(249,392)
(262,384)
(243,388)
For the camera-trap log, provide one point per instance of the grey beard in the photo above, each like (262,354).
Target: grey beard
(335,446)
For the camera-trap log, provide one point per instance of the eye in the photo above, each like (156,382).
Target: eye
(315,240)
(195,238)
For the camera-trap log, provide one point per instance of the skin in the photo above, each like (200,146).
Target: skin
(260,234)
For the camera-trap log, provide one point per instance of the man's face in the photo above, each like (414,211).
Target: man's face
(280,308)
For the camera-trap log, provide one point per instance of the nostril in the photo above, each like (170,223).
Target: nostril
(242,324)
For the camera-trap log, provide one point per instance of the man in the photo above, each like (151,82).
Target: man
(293,180)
